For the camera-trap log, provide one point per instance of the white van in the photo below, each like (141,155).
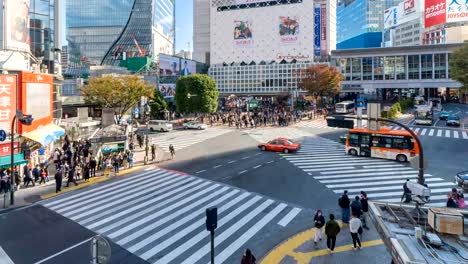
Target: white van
(160,125)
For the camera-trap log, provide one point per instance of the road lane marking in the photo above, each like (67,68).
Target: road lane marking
(246,157)
(217,166)
(289,217)
(455,134)
(423,132)
(200,171)
(447,133)
(416,130)
(271,161)
(232,161)
(4,258)
(431,133)
(242,172)
(465,136)
(258,166)
(258,154)
(439,133)
(63,251)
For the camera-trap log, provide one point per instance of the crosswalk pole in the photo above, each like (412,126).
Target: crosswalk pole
(212,246)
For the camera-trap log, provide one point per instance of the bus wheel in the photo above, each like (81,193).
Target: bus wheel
(401,158)
(352,152)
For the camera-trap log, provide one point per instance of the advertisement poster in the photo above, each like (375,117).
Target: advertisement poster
(323,29)
(41,103)
(391,17)
(167,90)
(188,67)
(404,12)
(457,10)
(7,101)
(17,24)
(317,31)
(289,29)
(434,13)
(168,65)
(243,33)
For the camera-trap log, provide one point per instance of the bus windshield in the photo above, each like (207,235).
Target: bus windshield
(423,115)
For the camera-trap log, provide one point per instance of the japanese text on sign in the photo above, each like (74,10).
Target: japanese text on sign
(7,101)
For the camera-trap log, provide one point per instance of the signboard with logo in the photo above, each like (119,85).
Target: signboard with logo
(323,29)
(169,65)
(434,13)
(317,31)
(404,12)
(7,101)
(243,33)
(457,10)
(5,148)
(289,29)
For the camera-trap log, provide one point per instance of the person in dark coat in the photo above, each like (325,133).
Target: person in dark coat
(365,208)
(344,202)
(331,231)
(406,192)
(71,176)
(248,258)
(86,173)
(451,202)
(58,180)
(319,222)
(92,167)
(356,207)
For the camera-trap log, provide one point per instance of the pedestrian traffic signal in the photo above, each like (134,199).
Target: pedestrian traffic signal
(211,218)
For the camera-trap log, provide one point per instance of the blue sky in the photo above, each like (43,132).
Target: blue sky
(184,24)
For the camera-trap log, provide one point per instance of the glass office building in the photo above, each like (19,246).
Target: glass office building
(360,22)
(42,31)
(101,31)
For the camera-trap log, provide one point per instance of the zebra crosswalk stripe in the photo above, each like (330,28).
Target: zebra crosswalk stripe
(162,213)
(465,136)
(431,133)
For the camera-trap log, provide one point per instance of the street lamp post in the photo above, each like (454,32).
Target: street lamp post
(25,120)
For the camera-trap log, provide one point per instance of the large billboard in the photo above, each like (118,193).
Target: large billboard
(187,67)
(288,29)
(36,99)
(402,13)
(7,101)
(434,13)
(457,10)
(169,65)
(317,31)
(17,25)
(323,29)
(243,33)
(167,89)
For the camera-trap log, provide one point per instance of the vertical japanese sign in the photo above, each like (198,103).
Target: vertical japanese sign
(7,101)
(317,35)
(323,29)
(434,13)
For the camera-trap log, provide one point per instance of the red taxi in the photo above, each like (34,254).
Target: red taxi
(280,144)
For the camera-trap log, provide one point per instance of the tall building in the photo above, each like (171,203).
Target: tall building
(258,47)
(127,29)
(360,22)
(201,30)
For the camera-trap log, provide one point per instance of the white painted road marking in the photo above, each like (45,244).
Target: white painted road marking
(439,133)
(61,252)
(217,166)
(289,217)
(232,161)
(431,133)
(258,166)
(246,157)
(200,171)
(242,172)
(423,132)
(271,161)
(4,258)
(455,134)
(447,133)
(465,136)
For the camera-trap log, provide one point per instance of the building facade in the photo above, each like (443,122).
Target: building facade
(386,73)
(127,29)
(201,30)
(360,23)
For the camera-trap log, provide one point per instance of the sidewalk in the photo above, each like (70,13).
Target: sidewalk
(30,195)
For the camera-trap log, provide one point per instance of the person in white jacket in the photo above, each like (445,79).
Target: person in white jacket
(354,225)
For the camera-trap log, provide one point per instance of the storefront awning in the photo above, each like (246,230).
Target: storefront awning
(46,134)
(5,161)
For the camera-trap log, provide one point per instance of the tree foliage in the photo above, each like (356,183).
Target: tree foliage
(320,80)
(158,105)
(196,93)
(459,66)
(120,93)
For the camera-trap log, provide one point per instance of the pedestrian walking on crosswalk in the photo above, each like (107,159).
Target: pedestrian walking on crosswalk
(319,222)
(344,203)
(248,257)
(331,231)
(172,151)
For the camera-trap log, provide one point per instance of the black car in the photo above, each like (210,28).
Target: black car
(461,179)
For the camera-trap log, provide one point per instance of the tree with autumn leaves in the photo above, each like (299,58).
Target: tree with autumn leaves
(320,80)
(459,67)
(120,93)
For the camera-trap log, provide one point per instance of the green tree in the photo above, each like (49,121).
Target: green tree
(120,93)
(459,66)
(158,105)
(320,80)
(196,93)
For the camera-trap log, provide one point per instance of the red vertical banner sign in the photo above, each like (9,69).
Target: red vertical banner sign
(434,13)
(323,29)
(7,101)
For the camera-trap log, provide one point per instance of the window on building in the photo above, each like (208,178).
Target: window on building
(356,64)
(426,66)
(449,69)
(367,68)
(378,68)
(389,68)
(400,67)
(440,66)
(413,67)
